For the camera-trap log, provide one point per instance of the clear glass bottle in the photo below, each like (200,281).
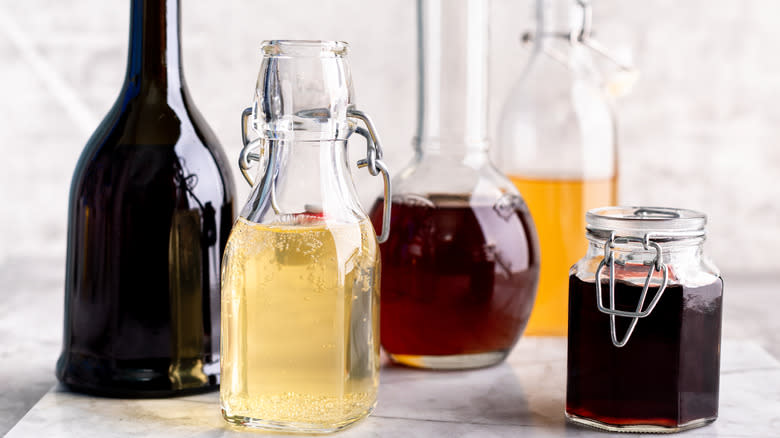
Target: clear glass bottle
(300,289)
(461,266)
(645,309)
(557,143)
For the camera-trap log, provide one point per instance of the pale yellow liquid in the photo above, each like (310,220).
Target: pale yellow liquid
(300,325)
(558,208)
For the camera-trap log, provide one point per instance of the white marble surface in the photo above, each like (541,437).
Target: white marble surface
(522,397)
(31,327)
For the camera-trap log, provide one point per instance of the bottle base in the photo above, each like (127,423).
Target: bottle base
(149,378)
(451,362)
(241,421)
(137,394)
(636,428)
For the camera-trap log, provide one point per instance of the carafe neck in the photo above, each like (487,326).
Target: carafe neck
(453,77)
(154,59)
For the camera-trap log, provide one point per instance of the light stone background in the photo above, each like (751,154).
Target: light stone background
(699,129)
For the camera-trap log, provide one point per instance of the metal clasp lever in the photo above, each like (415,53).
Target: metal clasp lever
(375,165)
(248,152)
(373,159)
(656,265)
(629,73)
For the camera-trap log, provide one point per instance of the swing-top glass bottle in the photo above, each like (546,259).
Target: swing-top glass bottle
(300,347)
(557,143)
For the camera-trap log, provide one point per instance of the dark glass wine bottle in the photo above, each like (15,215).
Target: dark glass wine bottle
(151,206)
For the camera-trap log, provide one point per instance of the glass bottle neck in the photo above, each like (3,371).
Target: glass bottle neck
(154,59)
(555,18)
(303,177)
(453,48)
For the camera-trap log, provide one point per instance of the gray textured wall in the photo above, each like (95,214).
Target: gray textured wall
(699,129)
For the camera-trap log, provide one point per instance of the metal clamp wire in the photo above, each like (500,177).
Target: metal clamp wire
(583,37)
(376,143)
(376,166)
(373,161)
(609,259)
(248,153)
(371,152)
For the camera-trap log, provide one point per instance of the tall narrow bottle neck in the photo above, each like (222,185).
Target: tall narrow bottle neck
(154,59)
(453,75)
(555,18)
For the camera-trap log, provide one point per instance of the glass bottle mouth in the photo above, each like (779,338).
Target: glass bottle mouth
(661,223)
(304,48)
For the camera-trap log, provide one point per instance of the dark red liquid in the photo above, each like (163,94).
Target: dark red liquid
(668,372)
(457,278)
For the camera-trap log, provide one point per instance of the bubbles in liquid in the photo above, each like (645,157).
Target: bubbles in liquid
(295,344)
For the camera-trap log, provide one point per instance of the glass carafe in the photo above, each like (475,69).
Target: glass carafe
(557,143)
(300,290)
(461,265)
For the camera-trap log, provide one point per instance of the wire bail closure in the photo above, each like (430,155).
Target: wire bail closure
(656,265)
(253,151)
(584,37)
(248,152)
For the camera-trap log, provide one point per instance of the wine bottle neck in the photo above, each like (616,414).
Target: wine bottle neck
(154,59)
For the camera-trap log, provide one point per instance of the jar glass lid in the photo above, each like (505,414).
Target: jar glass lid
(674,222)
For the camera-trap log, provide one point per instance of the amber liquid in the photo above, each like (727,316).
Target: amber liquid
(459,278)
(300,347)
(558,208)
(665,376)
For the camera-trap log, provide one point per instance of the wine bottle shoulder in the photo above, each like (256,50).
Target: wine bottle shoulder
(149,118)
(147,132)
